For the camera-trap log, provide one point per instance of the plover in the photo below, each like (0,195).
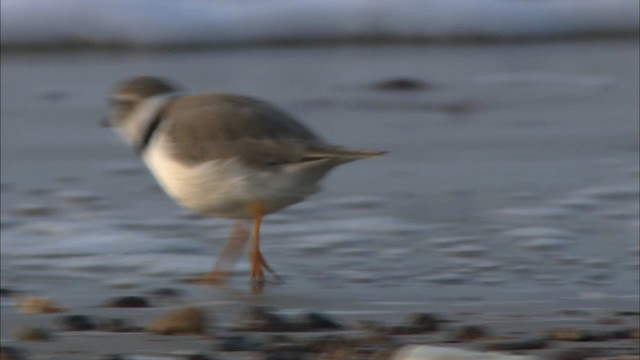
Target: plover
(224,155)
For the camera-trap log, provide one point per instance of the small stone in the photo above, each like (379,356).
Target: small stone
(117,325)
(469,333)
(33,210)
(166,292)
(11,353)
(32,334)
(533,343)
(37,305)
(419,323)
(368,326)
(425,322)
(238,343)
(76,323)
(314,321)
(259,318)
(128,302)
(571,334)
(187,320)
(573,354)
(401,84)
(5,292)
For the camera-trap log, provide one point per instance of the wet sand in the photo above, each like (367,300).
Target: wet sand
(509,197)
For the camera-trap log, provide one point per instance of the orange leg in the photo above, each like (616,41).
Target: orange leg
(258,262)
(228,256)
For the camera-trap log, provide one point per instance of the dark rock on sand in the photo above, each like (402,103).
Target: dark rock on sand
(5,292)
(258,318)
(183,321)
(166,293)
(469,333)
(368,326)
(570,334)
(128,302)
(76,323)
(11,353)
(573,354)
(33,210)
(238,343)
(401,84)
(118,325)
(314,321)
(533,343)
(111,357)
(32,334)
(419,323)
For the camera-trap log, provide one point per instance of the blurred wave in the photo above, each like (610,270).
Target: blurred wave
(195,23)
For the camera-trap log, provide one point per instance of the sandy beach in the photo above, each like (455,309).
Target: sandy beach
(508,199)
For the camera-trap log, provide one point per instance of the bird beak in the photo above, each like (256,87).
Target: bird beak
(105,122)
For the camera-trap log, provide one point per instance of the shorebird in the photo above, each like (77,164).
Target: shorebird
(224,155)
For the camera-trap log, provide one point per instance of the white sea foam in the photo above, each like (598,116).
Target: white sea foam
(144,23)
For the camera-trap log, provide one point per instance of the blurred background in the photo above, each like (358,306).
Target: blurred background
(511,126)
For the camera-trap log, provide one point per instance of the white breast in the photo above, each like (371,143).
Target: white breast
(227,187)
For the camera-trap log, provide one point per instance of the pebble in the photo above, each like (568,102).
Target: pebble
(11,353)
(6,292)
(401,84)
(234,343)
(33,210)
(32,334)
(187,320)
(37,305)
(573,354)
(532,343)
(314,321)
(571,334)
(469,333)
(76,323)
(128,302)
(417,324)
(117,325)
(259,318)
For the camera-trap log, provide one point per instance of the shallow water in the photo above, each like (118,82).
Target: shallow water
(511,183)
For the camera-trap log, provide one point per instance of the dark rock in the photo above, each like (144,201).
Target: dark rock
(111,357)
(573,354)
(238,343)
(258,318)
(314,322)
(419,323)
(627,313)
(401,84)
(570,334)
(4,292)
(285,355)
(33,334)
(166,293)
(469,333)
(128,302)
(33,210)
(368,326)
(425,322)
(118,325)
(533,343)
(189,320)
(11,353)
(76,323)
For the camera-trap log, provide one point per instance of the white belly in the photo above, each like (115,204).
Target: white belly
(227,187)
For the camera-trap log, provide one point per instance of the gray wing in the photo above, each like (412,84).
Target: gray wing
(205,127)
